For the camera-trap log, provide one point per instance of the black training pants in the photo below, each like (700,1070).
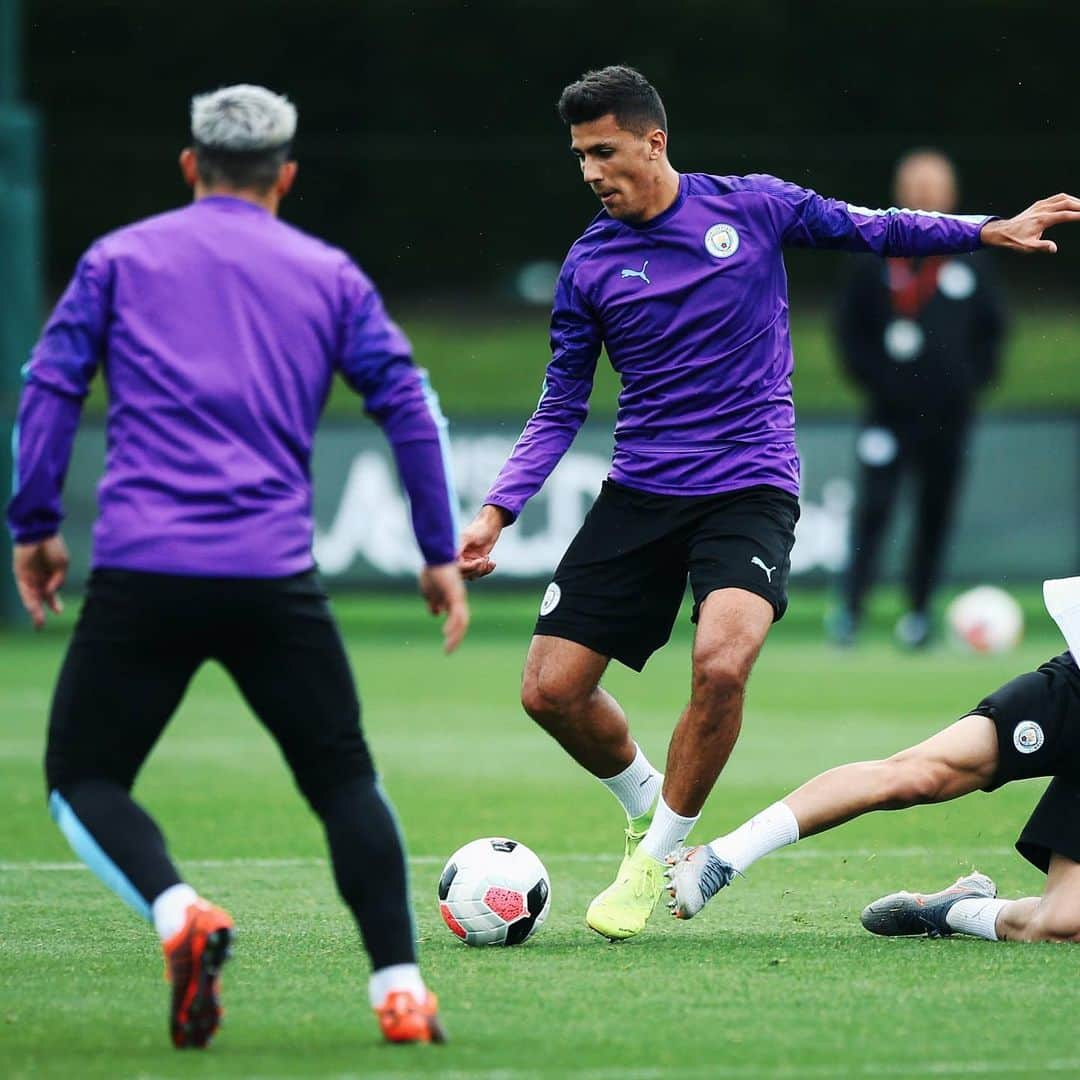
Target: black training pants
(139,639)
(931,450)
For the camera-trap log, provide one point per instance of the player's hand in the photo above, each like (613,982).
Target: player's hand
(1024,233)
(40,569)
(444,591)
(477,541)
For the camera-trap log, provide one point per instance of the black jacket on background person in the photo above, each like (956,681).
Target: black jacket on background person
(920,338)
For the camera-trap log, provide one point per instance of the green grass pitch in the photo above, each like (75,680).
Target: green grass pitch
(776,978)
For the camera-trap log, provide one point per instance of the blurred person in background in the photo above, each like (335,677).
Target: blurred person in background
(921,337)
(218,329)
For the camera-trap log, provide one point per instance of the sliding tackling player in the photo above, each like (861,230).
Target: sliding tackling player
(218,329)
(1028,728)
(681,279)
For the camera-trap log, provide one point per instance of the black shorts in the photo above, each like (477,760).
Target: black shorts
(141,637)
(618,588)
(1037,717)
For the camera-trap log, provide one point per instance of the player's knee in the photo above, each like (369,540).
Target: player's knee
(719,677)
(63,768)
(65,773)
(533,700)
(548,697)
(320,769)
(335,798)
(1053,922)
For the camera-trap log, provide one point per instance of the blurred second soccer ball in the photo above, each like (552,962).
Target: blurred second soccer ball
(985,619)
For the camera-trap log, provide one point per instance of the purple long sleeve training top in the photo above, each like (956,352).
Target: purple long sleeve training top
(219,329)
(692,309)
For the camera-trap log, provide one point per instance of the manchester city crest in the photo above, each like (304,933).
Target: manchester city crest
(1028,737)
(721,241)
(551,599)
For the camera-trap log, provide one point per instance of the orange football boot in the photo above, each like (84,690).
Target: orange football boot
(194,957)
(403,1019)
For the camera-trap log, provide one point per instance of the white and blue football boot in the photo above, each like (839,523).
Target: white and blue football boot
(694,876)
(908,914)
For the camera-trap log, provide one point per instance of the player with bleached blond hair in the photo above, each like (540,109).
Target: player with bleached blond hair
(218,329)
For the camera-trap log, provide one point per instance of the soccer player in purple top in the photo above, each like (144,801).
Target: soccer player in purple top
(218,330)
(681,279)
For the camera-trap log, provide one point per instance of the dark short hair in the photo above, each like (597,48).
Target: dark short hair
(619,90)
(240,169)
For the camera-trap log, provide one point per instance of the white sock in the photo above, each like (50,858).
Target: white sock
(1062,599)
(773,828)
(395,977)
(976,916)
(637,786)
(667,831)
(170,909)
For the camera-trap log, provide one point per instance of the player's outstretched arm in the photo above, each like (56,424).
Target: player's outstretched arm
(1024,232)
(40,569)
(444,591)
(806,219)
(478,540)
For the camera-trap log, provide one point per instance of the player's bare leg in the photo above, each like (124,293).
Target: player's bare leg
(732,625)
(561,692)
(1054,916)
(956,761)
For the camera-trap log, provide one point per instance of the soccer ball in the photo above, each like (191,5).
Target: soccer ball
(985,619)
(494,891)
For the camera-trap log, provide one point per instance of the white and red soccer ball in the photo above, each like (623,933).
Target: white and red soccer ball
(986,620)
(494,891)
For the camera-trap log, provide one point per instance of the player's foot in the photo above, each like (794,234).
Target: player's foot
(194,957)
(403,1018)
(624,907)
(913,630)
(694,876)
(904,914)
